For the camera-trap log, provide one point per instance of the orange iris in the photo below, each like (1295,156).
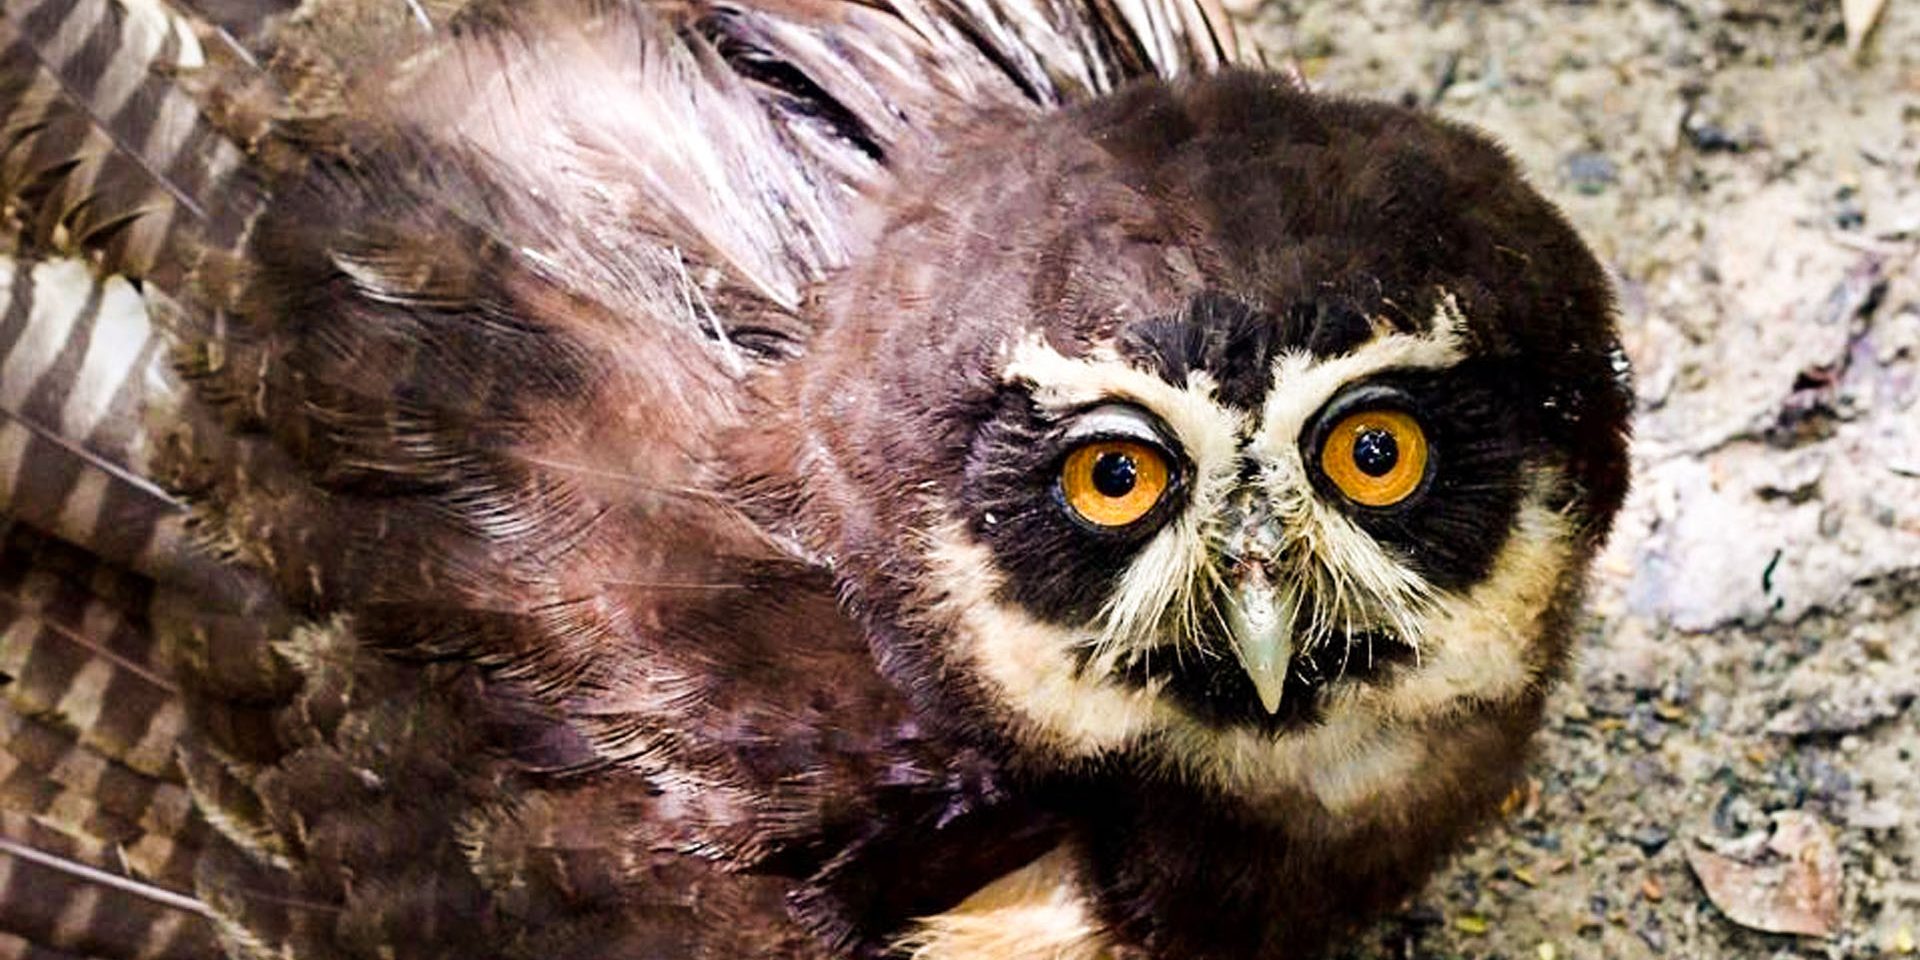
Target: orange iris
(1112,483)
(1377,458)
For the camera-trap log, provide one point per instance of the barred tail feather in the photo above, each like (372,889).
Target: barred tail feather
(104,153)
(65,896)
(86,392)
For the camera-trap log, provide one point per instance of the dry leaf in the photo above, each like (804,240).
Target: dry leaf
(1793,886)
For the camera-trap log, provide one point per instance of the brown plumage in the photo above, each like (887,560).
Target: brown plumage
(574,478)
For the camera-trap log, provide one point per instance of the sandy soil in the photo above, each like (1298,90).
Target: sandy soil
(1742,713)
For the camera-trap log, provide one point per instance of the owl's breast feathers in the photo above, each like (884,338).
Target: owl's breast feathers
(529,480)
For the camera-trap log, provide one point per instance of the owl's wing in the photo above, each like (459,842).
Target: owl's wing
(366,586)
(100,833)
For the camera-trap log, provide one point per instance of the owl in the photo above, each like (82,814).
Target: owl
(762,478)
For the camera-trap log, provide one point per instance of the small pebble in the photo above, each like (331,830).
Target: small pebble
(1651,839)
(1714,138)
(1653,936)
(1590,172)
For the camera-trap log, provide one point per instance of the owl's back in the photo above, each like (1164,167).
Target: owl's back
(366,590)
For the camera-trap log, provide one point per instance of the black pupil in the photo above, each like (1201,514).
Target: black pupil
(1114,474)
(1375,452)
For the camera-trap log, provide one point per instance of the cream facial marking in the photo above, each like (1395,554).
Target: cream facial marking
(1337,579)
(1472,642)
(1061,384)
(1302,383)
(1371,737)
(1030,663)
(1038,912)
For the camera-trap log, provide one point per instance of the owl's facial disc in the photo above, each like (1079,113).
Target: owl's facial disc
(1238,562)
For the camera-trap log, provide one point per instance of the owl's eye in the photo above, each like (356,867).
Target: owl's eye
(1112,483)
(1376,458)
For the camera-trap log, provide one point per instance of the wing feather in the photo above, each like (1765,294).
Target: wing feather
(92,808)
(462,304)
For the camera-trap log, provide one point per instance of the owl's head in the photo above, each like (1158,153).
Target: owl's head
(1254,436)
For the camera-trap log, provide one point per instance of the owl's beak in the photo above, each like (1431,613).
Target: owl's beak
(1260,618)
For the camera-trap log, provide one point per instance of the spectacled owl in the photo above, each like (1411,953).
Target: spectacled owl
(762,478)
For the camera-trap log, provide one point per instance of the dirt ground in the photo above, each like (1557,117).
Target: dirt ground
(1742,715)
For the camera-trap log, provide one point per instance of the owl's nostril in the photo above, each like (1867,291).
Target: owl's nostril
(1254,535)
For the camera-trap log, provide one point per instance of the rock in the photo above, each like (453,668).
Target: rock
(1590,172)
(1709,137)
(1843,711)
(1875,815)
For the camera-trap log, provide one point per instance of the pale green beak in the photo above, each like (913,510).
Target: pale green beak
(1261,620)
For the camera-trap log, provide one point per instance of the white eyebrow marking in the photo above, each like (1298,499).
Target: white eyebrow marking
(1303,383)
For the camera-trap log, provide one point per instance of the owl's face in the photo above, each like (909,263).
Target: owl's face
(1246,437)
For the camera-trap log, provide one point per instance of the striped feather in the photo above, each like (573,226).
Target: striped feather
(88,728)
(13,947)
(72,897)
(77,657)
(104,154)
(64,785)
(84,379)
